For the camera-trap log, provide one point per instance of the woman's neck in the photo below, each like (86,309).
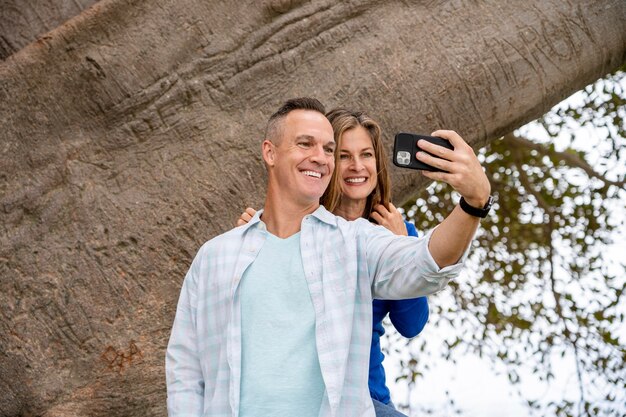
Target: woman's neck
(350,209)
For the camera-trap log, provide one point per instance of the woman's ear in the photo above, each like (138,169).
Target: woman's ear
(269,153)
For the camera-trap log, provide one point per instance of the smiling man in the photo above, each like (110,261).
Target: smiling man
(275,316)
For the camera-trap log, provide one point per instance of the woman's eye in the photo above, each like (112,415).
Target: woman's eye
(344,157)
(368,155)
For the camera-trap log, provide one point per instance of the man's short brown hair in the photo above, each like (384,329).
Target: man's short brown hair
(273,131)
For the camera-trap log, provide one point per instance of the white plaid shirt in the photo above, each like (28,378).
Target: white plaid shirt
(345,264)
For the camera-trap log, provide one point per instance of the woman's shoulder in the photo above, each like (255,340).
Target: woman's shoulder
(410,228)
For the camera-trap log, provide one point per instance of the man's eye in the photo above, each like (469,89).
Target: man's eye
(330,151)
(303,144)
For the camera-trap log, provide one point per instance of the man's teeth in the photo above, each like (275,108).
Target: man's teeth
(312,174)
(355,180)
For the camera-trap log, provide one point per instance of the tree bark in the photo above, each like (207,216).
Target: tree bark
(131,134)
(23,21)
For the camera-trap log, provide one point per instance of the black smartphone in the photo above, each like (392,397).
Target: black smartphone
(405,147)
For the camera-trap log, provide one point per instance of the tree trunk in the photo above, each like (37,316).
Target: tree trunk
(131,134)
(23,21)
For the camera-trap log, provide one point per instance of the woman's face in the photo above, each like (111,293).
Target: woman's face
(357,164)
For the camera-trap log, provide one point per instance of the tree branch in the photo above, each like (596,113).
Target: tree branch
(523,177)
(571,159)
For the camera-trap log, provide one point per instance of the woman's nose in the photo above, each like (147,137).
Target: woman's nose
(357,164)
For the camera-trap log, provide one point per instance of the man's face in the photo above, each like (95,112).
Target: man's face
(302,162)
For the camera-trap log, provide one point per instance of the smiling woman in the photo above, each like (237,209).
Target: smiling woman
(361,180)
(357,167)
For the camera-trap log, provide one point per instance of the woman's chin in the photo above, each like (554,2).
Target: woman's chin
(354,193)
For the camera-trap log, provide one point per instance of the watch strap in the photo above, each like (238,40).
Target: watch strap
(474,211)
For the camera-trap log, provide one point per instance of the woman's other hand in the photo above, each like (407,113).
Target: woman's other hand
(390,218)
(246,216)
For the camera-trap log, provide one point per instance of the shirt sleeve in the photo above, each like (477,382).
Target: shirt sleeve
(402,267)
(185,383)
(409,316)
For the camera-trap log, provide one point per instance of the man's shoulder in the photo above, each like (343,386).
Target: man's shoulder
(359,225)
(366,226)
(227,239)
(357,229)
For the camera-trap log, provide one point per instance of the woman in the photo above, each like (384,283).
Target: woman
(361,187)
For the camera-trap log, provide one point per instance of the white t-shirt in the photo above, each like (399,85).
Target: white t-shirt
(280,373)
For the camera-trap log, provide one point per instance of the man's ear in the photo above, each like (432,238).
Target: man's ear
(269,153)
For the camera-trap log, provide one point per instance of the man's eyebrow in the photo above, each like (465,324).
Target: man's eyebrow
(309,137)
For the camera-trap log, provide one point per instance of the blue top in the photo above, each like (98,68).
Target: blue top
(408,317)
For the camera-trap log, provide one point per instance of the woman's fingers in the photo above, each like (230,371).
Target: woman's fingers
(391,219)
(246,216)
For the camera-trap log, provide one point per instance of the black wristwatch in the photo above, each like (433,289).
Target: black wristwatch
(476,212)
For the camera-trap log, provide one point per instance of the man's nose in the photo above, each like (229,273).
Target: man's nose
(318,154)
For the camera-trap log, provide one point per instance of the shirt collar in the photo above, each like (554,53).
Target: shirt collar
(320,213)
(254,221)
(325,216)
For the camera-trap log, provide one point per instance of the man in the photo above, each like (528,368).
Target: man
(274,317)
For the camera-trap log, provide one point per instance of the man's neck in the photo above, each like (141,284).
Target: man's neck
(284,218)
